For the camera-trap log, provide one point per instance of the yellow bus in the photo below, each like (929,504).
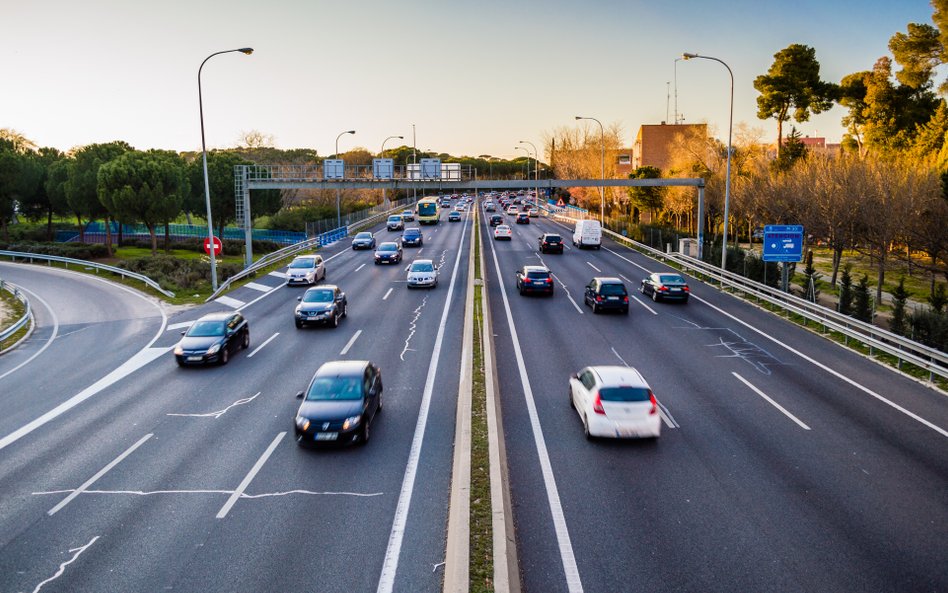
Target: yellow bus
(427,211)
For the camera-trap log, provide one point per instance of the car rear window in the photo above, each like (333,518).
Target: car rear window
(624,394)
(553,239)
(613,290)
(539,275)
(671,279)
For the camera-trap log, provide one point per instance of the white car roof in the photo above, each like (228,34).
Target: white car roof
(619,375)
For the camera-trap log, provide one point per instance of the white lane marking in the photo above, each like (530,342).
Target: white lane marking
(619,357)
(280,275)
(573,582)
(180,325)
(836,374)
(49,341)
(593,267)
(626,259)
(392,552)
(666,415)
(420,250)
(62,567)
(230,302)
(351,342)
(566,292)
(98,475)
(219,413)
(228,492)
(143,357)
(387,293)
(360,267)
(265,342)
(772,402)
(249,477)
(639,301)
(258,287)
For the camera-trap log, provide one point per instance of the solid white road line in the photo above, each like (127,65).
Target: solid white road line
(230,302)
(650,310)
(394,548)
(666,416)
(835,373)
(387,293)
(249,477)
(593,267)
(258,287)
(626,259)
(265,342)
(98,475)
(351,342)
(360,267)
(573,582)
(49,341)
(772,402)
(566,292)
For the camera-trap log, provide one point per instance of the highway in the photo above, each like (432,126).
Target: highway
(786,462)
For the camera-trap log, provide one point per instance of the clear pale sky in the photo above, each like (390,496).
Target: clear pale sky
(474,77)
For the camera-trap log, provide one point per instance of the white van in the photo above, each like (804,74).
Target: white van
(588,233)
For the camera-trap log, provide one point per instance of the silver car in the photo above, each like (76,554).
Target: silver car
(422,272)
(306,269)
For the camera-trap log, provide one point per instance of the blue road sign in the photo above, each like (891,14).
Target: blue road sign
(783,242)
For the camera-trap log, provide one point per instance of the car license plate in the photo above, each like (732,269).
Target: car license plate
(195,358)
(314,315)
(675,290)
(326,436)
(613,298)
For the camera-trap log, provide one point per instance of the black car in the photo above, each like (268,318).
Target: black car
(551,243)
(364,240)
(325,304)
(412,237)
(388,252)
(496,219)
(523,218)
(340,403)
(607,294)
(663,286)
(535,279)
(213,338)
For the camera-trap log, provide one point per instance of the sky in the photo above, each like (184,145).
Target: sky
(473,77)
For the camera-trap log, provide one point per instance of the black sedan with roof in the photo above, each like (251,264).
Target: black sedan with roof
(213,338)
(607,294)
(340,403)
(389,252)
(663,286)
(551,243)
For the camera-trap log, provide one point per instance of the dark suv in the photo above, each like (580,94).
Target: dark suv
(607,294)
(340,403)
(551,243)
(496,219)
(535,279)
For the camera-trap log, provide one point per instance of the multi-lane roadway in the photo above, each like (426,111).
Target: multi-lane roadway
(786,463)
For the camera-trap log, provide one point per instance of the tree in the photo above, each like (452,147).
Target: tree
(647,198)
(862,305)
(845,306)
(919,52)
(793,83)
(899,297)
(938,299)
(793,150)
(220,174)
(147,187)
(82,184)
(852,95)
(56,177)
(811,279)
(890,114)
(37,202)
(10,163)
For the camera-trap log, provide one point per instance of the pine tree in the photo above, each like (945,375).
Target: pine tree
(846,291)
(899,296)
(938,299)
(811,279)
(862,308)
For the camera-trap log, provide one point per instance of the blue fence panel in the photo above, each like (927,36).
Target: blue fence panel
(95,233)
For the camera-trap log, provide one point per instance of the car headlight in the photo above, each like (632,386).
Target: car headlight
(214,349)
(302,422)
(351,421)
(178,350)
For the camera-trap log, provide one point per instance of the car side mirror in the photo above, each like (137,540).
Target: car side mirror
(574,376)
(299,395)
(299,299)
(183,332)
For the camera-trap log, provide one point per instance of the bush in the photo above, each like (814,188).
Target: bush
(846,291)
(899,296)
(862,304)
(930,328)
(72,250)
(177,274)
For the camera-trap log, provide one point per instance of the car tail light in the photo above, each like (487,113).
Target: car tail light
(651,398)
(662,288)
(598,298)
(549,281)
(597,405)
(685,288)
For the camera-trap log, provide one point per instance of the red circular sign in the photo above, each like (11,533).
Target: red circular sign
(217,246)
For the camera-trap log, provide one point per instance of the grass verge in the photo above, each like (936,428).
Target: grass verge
(17,309)
(482,541)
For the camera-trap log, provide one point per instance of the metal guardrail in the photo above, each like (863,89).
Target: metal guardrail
(903,349)
(19,323)
(86,264)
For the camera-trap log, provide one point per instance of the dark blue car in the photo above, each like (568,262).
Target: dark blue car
(411,237)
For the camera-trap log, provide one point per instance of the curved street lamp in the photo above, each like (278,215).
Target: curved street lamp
(602,190)
(338,195)
(207,185)
(528,159)
(727,179)
(536,172)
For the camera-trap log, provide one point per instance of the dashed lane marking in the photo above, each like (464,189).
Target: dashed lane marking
(230,302)
(258,287)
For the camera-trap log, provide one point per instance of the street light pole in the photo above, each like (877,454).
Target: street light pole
(382,156)
(338,193)
(727,180)
(676,89)
(528,159)
(207,185)
(536,172)
(602,190)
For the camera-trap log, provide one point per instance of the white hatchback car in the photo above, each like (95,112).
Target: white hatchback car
(614,401)
(503,232)
(422,272)
(306,269)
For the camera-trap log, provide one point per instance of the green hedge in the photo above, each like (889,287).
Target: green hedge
(73,250)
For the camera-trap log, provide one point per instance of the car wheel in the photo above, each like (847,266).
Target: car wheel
(598,247)
(335,320)
(586,429)
(246,343)
(625,311)
(364,435)
(570,395)
(299,324)
(595,309)
(225,355)
(655,296)
(345,309)
(179,361)
(684,301)
(379,409)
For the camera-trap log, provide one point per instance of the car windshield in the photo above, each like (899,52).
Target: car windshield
(330,388)
(322,295)
(671,279)
(306,262)
(388,247)
(412,233)
(422,267)
(613,290)
(553,239)
(364,236)
(394,218)
(203,329)
(624,394)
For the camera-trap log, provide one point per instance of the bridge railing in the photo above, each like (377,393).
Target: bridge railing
(22,321)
